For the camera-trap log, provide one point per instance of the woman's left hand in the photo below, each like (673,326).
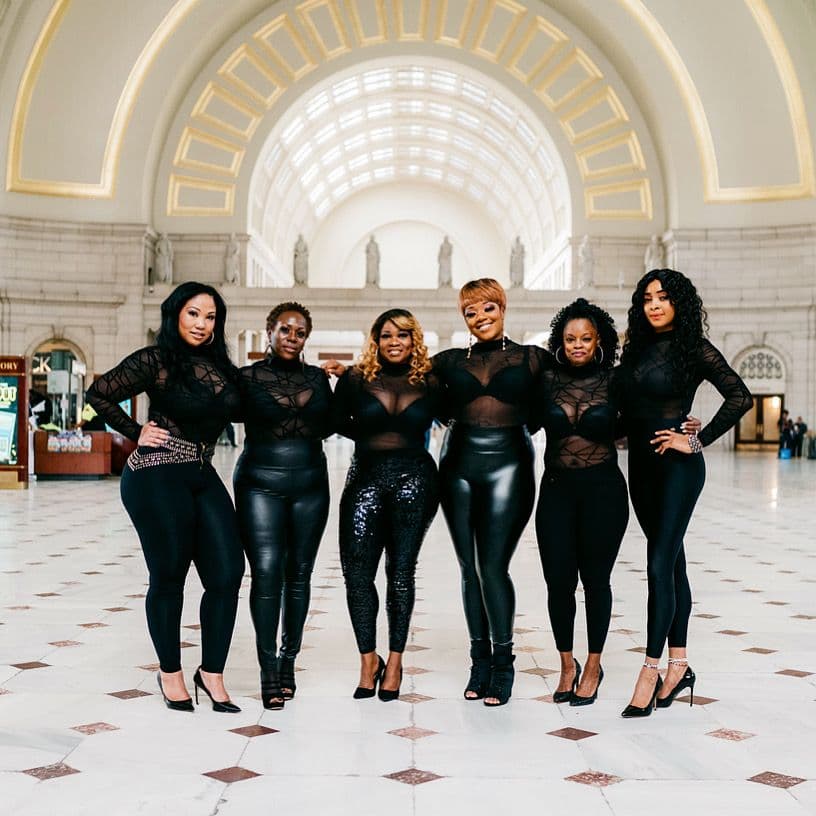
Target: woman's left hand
(669,439)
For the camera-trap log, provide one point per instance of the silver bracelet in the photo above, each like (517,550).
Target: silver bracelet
(694,443)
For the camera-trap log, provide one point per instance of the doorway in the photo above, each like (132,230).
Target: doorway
(760,426)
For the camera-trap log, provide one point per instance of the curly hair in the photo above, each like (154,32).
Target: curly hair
(174,350)
(689,328)
(482,289)
(369,363)
(582,309)
(288,306)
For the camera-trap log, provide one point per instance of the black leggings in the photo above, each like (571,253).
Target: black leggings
(580,522)
(388,503)
(664,491)
(183,514)
(282,499)
(488,489)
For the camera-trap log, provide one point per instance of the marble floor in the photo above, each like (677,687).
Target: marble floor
(83,730)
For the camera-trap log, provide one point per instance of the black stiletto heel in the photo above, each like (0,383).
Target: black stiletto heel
(644,711)
(174,705)
(226,707)
(481,656)
(272,696)
(387,695)
(566,696)
(577,700)
(687,681)
(363,693)
(286,673)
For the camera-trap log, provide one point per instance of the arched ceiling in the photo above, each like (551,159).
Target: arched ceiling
(159,109)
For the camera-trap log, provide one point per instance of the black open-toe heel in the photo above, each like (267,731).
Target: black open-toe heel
(502,674)
(578,700)
(286,674)
(174,705)
(644,711)
(363,693)
(481,657)
(687,681)
(272,696)
(566,696)
(226,707)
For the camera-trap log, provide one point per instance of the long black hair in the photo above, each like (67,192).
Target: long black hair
(582,309)
(175,352)
(689,328)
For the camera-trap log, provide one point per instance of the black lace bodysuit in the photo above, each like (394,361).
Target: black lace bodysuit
(196,409)
(284,399)
(576,408)
(492,387)
(388,413)
(649,392)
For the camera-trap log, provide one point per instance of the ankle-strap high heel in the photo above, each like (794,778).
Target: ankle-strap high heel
(687,681)
(577,700)
(226,707)
(566,696)
(644,711)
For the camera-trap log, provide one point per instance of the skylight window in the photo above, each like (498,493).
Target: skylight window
(410,77)
(326,133)
(437,134)
(503,111)
(468,120)
(331,156)
(379,109)
(443,81)
(351,118)
(358,162)
(341,190)
(345,90)
(475,93)
(440,110)
(355,142)
(292,131)
(301,154)
(383,173)
(435,155)
(317,106)
(336,174)
(363,178)
(309,176)
(432,173)
(384,154)
(378,80)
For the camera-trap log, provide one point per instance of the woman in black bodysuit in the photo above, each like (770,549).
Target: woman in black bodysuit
(665,358)
(486,475)
(385,404)
(282,491)
(178,504)
(582,505)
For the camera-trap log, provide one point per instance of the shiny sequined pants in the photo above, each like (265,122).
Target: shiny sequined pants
(183,514)
(664,491)
(580,521)
(282,499)
(488,490)
(388,503)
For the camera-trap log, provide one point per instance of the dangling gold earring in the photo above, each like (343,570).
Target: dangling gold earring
(504,337)
(211,340)
(470,345)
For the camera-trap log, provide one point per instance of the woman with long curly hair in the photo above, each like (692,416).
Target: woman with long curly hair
(282,491)
(665,358)
(385,404)
(486,473)
(178,504)
(582,506)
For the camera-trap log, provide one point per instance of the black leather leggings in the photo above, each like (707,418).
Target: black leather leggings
(388,503)
(282,499)
(183,514)
(580,521)
(664,491)
(488,489)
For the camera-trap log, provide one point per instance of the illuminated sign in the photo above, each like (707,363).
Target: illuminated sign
(9,391)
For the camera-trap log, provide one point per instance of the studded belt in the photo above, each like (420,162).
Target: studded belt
(175,451)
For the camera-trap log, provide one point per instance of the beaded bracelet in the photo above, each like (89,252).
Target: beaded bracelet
(694,443)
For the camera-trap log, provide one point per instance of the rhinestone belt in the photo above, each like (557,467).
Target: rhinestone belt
(176,451)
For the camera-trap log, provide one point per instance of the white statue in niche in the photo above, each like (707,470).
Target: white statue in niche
(586,263)
(164,259)
(654,256)
(517,253)
(300,262)
(444,257)
(372,253)
(232,261)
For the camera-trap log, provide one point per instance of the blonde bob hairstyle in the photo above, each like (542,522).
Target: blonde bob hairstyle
(482,289)
(369,362)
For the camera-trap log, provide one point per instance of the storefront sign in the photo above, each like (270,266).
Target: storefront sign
(13,422)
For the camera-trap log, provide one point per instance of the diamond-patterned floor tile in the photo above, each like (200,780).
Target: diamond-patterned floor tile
(117,609)
(706,615)
(31,664)
(760,650)
(572,733)
(539,671)
(254,730)
(151,667)
(730,734)
(51,771)
(414,670)
(776,780)
(794,673)
(734,632)
(63,643)
(47,594)
(129,694)
(94,728)
(413,647)
(595,778)
(412,732)
(234,774)
(413,776)
(413,697)
(94,625)
(698,699)
(804,617)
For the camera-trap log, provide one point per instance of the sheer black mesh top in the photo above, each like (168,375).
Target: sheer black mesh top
(492,387)
(283,399)
(196,409)
(388,413)
(575,406)
(650,393)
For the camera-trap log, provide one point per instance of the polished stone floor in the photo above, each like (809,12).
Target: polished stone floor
(83,730)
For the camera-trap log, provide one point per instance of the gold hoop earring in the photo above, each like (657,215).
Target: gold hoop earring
(210,341)
(560,362)
(599,362)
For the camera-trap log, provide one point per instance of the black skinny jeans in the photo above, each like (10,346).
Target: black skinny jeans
(488,490)
(183,514)
(282,499)
(664,491)
(388,503)
(580,521)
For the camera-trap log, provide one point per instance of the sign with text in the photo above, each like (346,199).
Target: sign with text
(13,422)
